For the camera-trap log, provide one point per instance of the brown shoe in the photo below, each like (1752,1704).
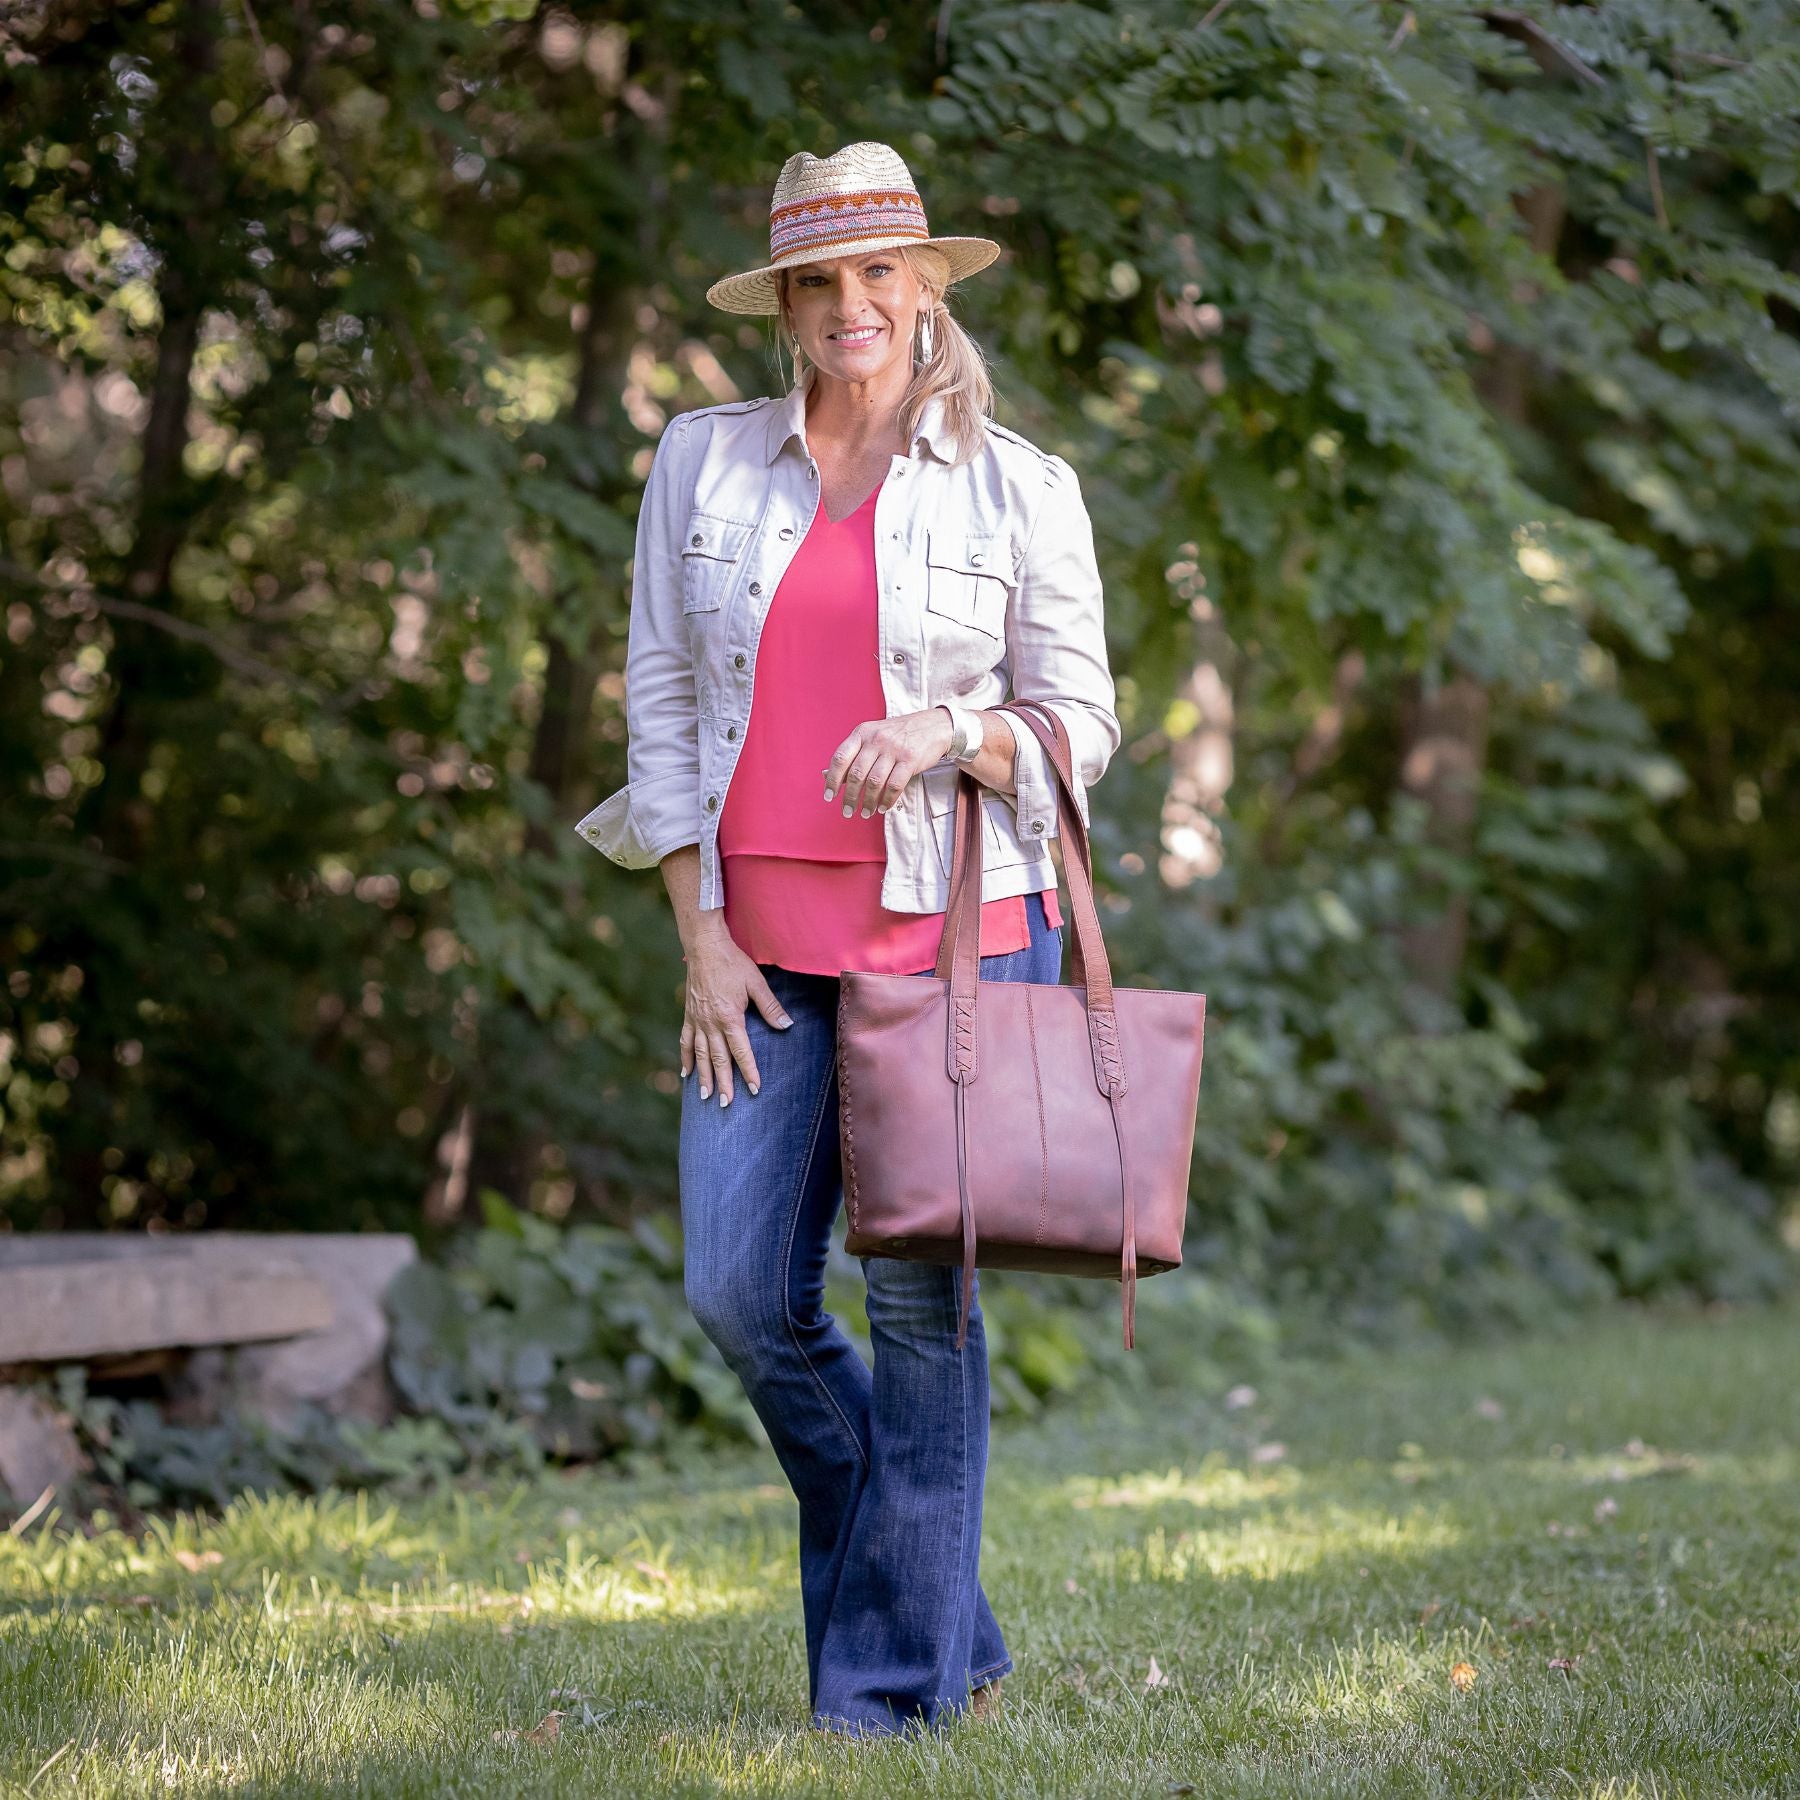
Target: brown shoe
(985,1701)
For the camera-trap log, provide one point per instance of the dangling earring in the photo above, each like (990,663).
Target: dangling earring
(924,338)
(799,367)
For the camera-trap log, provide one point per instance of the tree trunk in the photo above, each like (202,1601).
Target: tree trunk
(147,664)
(1446,730)
(1446,748)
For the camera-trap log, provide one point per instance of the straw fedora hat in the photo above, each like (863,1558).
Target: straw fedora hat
(858,199)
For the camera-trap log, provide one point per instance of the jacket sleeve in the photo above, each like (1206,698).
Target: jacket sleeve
(658,809)
(1056,651)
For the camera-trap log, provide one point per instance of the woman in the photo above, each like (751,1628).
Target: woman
(875,560)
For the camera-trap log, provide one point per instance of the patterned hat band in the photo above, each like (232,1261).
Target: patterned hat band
(861,198)
(830,221)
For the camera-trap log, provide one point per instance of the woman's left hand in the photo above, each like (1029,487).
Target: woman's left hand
(877,758)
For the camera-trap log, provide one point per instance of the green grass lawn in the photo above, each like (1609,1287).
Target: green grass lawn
(1605,1528)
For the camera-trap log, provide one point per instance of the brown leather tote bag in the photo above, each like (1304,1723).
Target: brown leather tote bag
(987,1122)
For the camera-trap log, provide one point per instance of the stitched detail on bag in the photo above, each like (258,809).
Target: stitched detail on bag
(1112,1063)
(964,1027)
(849,1145)
(1037,1084)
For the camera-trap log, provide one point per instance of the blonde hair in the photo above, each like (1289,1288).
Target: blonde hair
(956,371)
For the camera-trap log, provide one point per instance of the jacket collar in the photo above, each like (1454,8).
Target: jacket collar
(787,421)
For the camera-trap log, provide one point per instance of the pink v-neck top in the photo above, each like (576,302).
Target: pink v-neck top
(802,882)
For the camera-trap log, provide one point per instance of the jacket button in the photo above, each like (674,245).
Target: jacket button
(756,587)
(899,656)
(731,733)
(737,662)
(975,560)
(1037,824)
(697,538)
(787,531)
(712,802)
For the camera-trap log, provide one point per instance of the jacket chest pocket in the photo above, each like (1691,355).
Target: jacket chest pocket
(966,580)
(711,548)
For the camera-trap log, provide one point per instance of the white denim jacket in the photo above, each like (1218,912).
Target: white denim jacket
(987,588)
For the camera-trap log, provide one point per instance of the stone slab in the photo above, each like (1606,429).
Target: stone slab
(280,1317)
(37,1448)
(69,1297)
(342,1367)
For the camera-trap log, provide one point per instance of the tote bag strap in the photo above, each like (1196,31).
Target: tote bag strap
(958,959)
(958,962)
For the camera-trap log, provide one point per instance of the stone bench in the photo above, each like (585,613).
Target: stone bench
(270,1320)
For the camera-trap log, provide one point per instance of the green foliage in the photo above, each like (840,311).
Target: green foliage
(1398,346)
(580,1334)
(152,1461)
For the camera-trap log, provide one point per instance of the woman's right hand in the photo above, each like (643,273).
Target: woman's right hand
(721,983)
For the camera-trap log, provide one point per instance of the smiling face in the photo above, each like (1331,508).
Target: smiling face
(855,315)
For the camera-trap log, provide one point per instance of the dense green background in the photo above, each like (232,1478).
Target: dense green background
(1432,377)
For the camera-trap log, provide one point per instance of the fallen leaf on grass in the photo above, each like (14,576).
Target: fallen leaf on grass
(1156,1678)
(1429,1611)
(654,1573)
(196,1560)
(1268,1453)
(1564,1665)
(1462,1677)
(1071,1586)
(1240,1396)
(545,1731)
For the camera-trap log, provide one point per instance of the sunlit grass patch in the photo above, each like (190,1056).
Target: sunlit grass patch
(1564,1568)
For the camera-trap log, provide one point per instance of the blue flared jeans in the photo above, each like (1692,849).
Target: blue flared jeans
(888,1465)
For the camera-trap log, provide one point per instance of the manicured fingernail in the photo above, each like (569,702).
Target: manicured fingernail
(828,793)
(705,1091)
(848,810)
(724,1099)
(756,1087)
(783,1019)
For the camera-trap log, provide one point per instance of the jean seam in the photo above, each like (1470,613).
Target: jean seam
(948,1289)
(787,1276)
